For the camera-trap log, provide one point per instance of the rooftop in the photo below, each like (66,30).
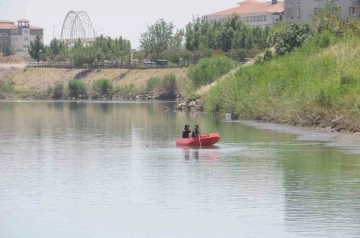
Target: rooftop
(252,7)
(6,24)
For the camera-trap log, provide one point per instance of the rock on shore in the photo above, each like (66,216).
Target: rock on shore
(191,105)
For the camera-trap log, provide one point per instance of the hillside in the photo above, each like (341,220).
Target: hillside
(318,84)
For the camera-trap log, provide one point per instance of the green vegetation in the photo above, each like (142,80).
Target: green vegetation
(314,81)
(102,87)
(117,50)
(6,86)
(128,89)
(207,70)
(37,50)
(202,38)
(58,91)
(77,88)
(159,37)
(166,84)
(291,37)
(226,35)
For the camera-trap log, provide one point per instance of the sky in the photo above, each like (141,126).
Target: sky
(110,17)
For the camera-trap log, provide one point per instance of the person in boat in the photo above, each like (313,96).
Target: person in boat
(186,132)
(196,132)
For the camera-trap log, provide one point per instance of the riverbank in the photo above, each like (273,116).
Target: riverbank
(17,82)
(317,85)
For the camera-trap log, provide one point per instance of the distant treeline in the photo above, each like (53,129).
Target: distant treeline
(201,38)
(118,49)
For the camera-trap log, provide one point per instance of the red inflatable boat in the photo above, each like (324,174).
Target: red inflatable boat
(202,140)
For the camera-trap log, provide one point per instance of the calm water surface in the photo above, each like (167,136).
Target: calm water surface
(84,169)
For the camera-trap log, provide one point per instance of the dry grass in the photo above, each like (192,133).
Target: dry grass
(19,57)
(39,79)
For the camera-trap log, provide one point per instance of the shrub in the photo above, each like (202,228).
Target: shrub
(6,86)
(291,37)
(238,54)
(328,18)
(169,83)
(166,83)
(209,69)
(102,86)
(152,82)
(346,80)
(323,40)
(77,88)
(128,89)
(58,91)
(266,57)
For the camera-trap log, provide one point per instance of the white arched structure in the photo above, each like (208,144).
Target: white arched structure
(77,25)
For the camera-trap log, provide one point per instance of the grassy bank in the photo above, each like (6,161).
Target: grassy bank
(318,84)
(49,83)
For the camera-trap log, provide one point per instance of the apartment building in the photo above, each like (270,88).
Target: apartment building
(253,12)
(19,34)
(304,10)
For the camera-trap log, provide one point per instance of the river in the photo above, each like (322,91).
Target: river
(111,169)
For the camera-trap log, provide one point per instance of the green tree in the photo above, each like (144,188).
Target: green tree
(157,37)
(36,48)
(291,37)
(176,42)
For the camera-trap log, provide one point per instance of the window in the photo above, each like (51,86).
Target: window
(26,38)
(298,13)
(352,11)
(26,31)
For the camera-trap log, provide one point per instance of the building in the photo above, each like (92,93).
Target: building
(254,12)
(19,35)
(304,10)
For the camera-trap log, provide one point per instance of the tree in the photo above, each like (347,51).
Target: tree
(157,37)
(56,50)
(6,48)
(176,42)
(36,48)
(292,37)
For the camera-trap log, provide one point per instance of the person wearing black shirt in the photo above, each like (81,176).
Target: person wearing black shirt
(196,132)
(186,132)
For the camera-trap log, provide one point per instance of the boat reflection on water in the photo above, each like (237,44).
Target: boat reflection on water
(198,152)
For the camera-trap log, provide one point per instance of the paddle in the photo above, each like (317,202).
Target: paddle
(199,140)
